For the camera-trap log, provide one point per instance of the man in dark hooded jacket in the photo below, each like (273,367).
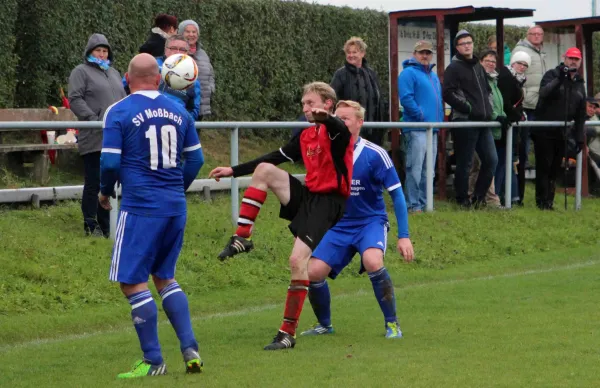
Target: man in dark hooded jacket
(467,91)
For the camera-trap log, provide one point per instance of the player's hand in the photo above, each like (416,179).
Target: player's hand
(221,172)
(405,248)
(319,115)
(104,201)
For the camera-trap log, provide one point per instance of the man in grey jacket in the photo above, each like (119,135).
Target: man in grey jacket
(94,86)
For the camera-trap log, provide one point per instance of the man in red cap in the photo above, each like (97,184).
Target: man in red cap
(562,98)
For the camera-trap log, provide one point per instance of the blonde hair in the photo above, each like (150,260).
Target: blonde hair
(360,111)
(324,91)
(356,41)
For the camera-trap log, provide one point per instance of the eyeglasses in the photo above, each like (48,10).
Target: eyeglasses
(180,49)
(522,64)
(489,61)
(536,33)
(465,44)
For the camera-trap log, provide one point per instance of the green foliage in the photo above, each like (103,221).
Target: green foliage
(263,51)
(8,60)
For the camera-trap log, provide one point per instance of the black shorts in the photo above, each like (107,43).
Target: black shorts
(311,214)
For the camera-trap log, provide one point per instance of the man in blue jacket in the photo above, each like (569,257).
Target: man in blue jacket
(420,94)
(189,98)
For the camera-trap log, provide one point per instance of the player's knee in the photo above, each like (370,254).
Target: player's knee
(373,259)
(161,283)
(263,171)
(298,262)
(317,270)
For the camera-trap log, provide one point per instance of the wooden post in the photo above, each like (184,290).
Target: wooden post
(40,167)
(500,42)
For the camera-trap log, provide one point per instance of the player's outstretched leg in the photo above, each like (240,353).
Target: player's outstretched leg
(383,288)
(145,320)
(386,296)
(240,242)
(175,304)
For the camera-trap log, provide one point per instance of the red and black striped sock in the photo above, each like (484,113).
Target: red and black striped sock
(293,305)
(251,204)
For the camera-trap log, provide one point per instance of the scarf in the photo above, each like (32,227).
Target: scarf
(103,64)
(519,77)
(493,75)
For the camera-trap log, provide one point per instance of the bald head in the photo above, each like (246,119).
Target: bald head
(142,73)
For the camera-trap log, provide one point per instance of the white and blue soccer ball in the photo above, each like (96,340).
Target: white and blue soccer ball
(179,71)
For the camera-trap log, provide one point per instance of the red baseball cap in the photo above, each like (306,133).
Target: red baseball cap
(573,52)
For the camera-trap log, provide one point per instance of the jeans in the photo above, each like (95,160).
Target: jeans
(466,142)
(416,168)
(524,147)
(93,214)
(501,175)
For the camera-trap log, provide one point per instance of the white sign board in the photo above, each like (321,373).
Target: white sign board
(410,33)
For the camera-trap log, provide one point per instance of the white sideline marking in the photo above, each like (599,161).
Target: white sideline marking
(256,309)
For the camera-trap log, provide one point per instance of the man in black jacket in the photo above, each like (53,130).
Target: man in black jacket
(467,91)
(562,97)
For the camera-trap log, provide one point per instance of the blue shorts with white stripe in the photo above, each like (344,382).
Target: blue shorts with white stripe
(146,246)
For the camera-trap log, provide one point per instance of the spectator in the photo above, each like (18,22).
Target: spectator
(164,26)
(190,97)
(532,45)
(93,86)
(467,91)
(358,82)
(206,74)
(557,87)
(593,138)
(420,94)
(593,133)
(488,61)
(493,45)
(510,82)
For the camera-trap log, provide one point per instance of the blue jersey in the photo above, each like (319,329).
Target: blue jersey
(150,132)
(372,172)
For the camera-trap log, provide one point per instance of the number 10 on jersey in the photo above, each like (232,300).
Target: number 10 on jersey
(168,139)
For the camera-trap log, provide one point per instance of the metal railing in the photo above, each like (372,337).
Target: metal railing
(234,127)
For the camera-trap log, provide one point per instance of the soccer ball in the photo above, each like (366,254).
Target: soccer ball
(179,71)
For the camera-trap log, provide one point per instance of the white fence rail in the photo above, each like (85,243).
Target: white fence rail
(73,192)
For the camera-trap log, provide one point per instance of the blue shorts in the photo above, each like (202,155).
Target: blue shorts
(145,246)
(340,244)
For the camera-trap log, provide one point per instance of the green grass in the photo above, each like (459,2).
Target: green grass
(215,144)
(494,298)
(530,322)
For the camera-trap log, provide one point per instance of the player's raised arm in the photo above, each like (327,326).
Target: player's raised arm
(288,153)
(335,127)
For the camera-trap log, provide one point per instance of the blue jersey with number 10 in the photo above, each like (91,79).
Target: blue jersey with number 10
(150,132)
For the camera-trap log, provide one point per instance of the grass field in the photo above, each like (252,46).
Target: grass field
(494,299)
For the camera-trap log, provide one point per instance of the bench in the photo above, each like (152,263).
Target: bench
(29,147)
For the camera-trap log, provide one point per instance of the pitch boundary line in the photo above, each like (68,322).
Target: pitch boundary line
(266,307)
